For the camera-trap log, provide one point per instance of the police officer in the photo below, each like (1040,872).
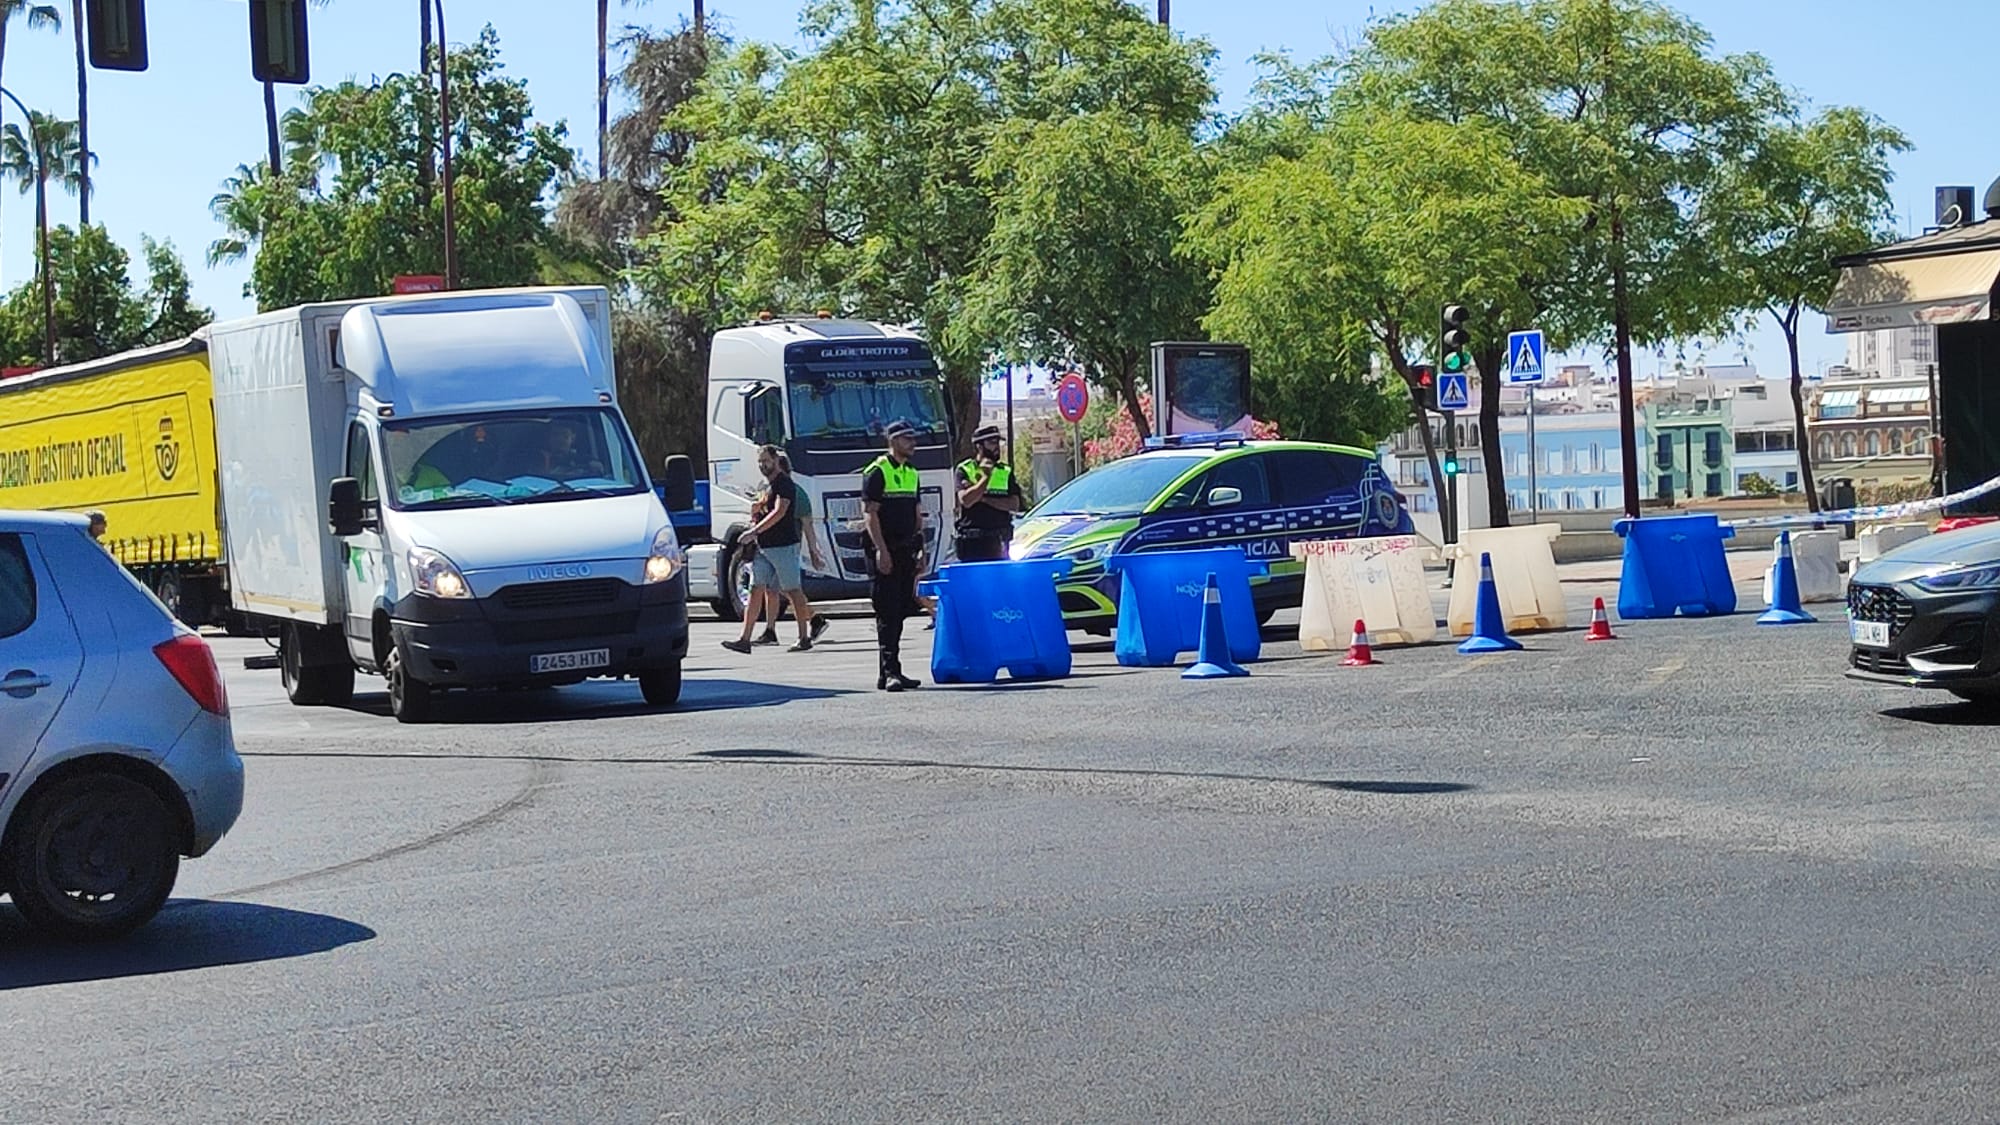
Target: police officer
(988,497)
(895,536)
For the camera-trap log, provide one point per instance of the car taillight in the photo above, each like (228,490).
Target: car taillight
(193,667)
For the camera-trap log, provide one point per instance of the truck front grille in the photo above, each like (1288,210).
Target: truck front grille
(565,628)
(554,595)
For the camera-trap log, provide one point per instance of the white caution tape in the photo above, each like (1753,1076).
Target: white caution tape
(1873,512)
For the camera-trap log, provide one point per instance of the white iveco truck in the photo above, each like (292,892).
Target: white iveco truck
(440,489)
(823,390)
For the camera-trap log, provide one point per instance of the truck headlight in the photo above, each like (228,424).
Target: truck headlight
(1962,578)
(436,576)
(665,559)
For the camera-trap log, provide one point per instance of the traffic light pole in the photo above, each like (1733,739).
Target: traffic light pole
(1449,494)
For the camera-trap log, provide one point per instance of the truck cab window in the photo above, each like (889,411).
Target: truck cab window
(360,465)
(765,413)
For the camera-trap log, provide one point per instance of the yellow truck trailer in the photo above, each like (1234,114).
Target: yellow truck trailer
(132,436)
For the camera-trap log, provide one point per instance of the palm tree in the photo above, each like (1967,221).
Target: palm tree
(39,17)
(19,159)
(82,111)
(239,207)
(276,153)
(604,81)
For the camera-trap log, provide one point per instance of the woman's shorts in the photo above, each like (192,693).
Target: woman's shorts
(776,568)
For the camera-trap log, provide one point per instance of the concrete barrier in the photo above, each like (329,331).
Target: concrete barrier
(1524,573)
(1379,581)
(1816,560)
(1874,542)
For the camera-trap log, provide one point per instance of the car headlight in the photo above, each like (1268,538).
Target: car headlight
(665,559)
(1085,556)
(436,576)
(1985,577)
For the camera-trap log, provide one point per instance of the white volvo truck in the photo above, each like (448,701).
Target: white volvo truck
(823,390)
(440,490)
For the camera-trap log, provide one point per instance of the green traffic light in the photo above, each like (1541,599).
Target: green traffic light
(1454,362)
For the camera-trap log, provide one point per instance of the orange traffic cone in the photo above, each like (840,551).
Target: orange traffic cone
(1600,624)
(1361,653)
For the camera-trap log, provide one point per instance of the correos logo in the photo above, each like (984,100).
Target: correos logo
(559,570)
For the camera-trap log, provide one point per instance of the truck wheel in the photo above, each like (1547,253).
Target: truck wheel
(410,699)
(96,858)
(736,583)
(661,686)
(328,685)
(168,590)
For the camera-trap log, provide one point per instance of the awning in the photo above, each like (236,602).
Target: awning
(1943,278)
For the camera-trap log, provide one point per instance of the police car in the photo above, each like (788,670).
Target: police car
(1208,490)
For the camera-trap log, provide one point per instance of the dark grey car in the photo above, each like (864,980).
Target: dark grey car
(1928,615)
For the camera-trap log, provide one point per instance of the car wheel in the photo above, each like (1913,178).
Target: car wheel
(410,699)
(96,858)
(330,685)
(168,590)
(661,686)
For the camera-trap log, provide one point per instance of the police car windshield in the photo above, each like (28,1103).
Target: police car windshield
(512,458)
(1121,488)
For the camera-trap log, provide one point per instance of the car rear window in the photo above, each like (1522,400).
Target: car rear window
(17,587)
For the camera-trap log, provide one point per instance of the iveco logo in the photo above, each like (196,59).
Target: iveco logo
(559,570)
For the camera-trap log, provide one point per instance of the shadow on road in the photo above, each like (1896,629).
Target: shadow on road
(609,699)
(188,934)
(1395,788)
(1947,715)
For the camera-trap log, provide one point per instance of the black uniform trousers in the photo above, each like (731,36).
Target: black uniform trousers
(894,597)
(977,547)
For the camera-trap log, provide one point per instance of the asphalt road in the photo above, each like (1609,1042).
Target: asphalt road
(1692,875)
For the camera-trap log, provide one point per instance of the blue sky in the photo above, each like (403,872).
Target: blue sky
(168,137)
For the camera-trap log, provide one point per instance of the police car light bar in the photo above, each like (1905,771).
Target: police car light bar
(1216,438)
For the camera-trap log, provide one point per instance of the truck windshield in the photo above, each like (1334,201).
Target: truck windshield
(1121,488)
(516,457)
(860,402)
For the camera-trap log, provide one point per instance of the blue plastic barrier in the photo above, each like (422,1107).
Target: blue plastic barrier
(1675,564)
(994,615)
(1160,603)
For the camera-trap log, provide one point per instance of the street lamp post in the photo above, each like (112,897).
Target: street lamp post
(42,227)
(444,139)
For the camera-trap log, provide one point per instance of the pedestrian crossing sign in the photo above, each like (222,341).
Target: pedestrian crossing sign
(1454,391)
(1524,357)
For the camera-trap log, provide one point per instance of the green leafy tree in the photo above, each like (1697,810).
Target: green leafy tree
(1324,257)
(1805,194)
(98,310)
(349,212)
(1619,105)
(852,176)
(1080,262)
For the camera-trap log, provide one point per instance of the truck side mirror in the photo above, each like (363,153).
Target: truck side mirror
(343,507)
(677,484)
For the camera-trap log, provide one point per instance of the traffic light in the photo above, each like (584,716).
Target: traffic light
(278,41)
(117,34)
(1452,340)
(1451,465)
(1424,379)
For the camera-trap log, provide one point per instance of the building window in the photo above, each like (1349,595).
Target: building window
(1895,443)
(1791,481)
(1825,445)
(1556,466)
(1712,446)
(1666,450)
(1714,484)
(1873,445)
(1847,446)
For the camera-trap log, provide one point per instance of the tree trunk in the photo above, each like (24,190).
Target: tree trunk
(603,90)
(1128,392)
(1491,358)
(1621,326)
(3,56)
(1790,324)
(82,117)
(1440,488)
(277,153)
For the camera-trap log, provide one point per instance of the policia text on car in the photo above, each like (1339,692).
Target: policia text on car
(889,500)
(988,497)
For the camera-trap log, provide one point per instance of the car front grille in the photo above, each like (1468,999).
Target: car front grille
(1880,661)
(560,595)
(566,628)
(1880,603)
